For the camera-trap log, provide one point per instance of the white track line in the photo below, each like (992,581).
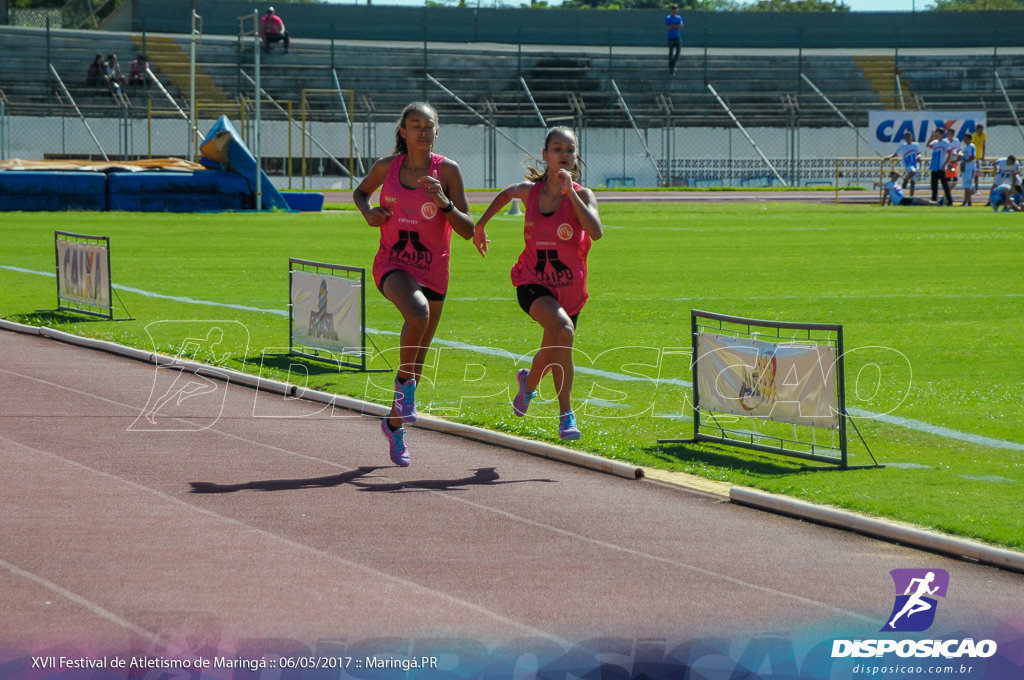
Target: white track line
(295,545)
(707,573)
(91,606)
(907,423)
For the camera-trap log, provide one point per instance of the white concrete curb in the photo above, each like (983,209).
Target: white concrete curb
(542,449)
(878,528)
(761,500)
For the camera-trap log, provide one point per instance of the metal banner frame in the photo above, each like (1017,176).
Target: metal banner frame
(80,304)
(308,351)
(711,426)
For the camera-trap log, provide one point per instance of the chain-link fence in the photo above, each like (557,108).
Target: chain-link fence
(329,110)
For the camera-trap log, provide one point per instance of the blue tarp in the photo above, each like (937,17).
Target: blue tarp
(223,149)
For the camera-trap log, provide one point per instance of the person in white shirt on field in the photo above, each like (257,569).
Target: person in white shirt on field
(910,154)
(939,148)
(1007,171)
(954,150)
(970,167)
(893,193)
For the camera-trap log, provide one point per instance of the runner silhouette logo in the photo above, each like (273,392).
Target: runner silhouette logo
(916,592)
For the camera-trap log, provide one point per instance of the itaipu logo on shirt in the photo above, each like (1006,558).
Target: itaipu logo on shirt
(915,606)
(409,250)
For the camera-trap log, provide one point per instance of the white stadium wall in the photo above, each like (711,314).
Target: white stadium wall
(610,154)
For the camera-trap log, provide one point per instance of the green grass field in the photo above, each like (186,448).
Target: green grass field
(930,300)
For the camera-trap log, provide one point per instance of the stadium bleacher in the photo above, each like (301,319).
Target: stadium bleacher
(761,87)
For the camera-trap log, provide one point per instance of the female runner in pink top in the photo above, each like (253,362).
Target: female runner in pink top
(422,199)
(551,274)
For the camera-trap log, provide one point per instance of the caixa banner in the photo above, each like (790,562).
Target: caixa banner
(888,128)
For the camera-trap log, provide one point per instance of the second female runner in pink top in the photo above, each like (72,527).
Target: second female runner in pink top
(556,250)
(551,274)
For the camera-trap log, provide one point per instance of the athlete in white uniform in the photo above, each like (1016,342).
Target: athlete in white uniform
(1007,171)
(910,154)
(970,156)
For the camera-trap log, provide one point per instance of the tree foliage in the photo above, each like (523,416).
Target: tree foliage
(976,5)
(727,5)
(797,6)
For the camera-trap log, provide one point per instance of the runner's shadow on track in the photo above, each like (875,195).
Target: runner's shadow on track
(480,477)
(751,462)
(349,477)
(487,476)
(287,363)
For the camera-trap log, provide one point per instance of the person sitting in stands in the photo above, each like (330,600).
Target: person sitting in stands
(272,30)
(112,71)
(137,71)
(97,72)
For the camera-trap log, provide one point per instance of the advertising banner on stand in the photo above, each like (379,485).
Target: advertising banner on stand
(787,383)
(83,273)
(887,129)
(327,312)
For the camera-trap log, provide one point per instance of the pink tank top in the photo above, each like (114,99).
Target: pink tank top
(417,237)
(556,252)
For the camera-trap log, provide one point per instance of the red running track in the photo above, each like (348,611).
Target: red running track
(237,515)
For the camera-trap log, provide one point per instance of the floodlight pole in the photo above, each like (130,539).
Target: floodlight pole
(194,139)
(258,120)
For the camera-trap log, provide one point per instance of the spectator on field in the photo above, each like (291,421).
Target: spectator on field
(970,167)
(272,30)
(939,148)
(892,193)
(674,26)
(97,72)
(1007,171)
(1004,196)
(910,154)
(137,72)
(979,137)
(954,152)
(112,71)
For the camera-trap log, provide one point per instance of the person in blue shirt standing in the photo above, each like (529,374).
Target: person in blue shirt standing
(674,24)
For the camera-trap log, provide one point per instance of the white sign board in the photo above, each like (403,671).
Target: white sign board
(326,312)
(83,273)
(789,383)
(887,128)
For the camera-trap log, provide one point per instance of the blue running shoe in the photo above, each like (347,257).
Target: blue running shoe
(399,451)
(522,401)
(405,400)
(567,429)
